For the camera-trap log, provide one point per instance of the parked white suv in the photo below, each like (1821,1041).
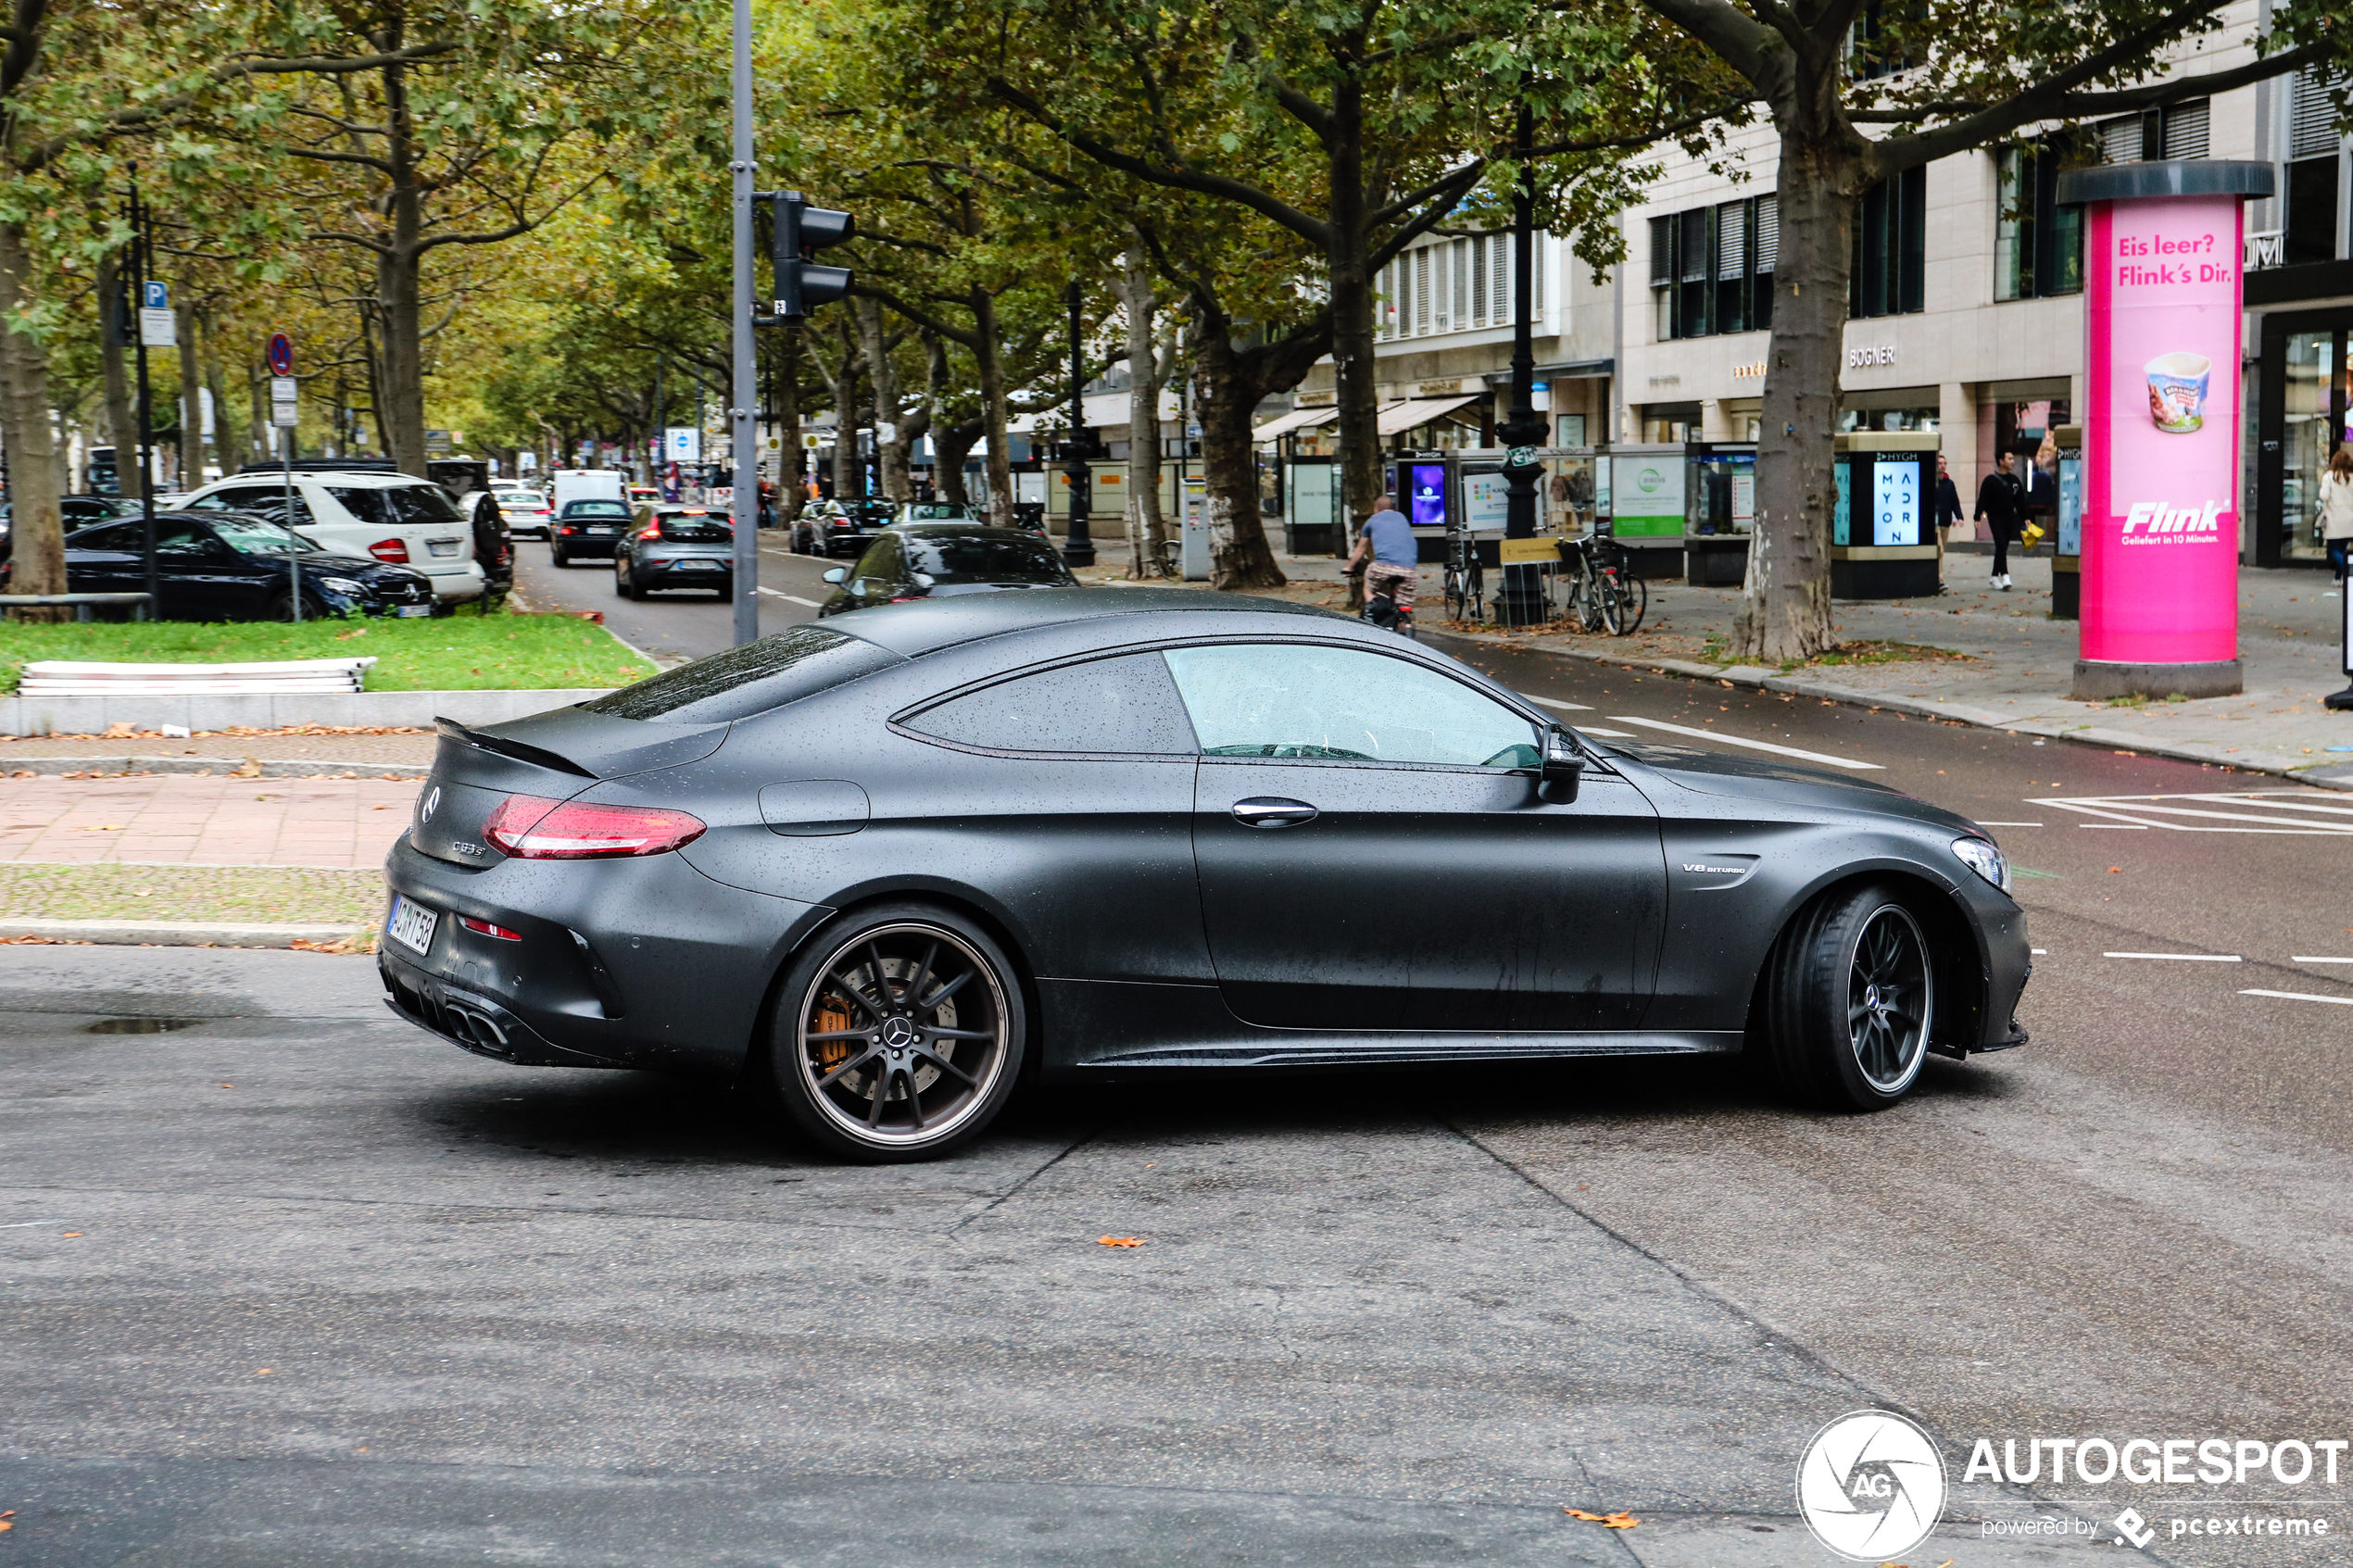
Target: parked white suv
(395,518)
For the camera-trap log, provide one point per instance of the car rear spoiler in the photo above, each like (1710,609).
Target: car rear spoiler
(522,751)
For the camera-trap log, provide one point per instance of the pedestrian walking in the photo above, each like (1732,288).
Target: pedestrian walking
(1948,512)
(2337,508)
(1999,501)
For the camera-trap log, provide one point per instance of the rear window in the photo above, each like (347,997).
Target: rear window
(750,679)
(407,505)
(986,558)
(595,509)
(695,528)
(526,498)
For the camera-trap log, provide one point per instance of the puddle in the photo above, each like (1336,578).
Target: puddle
(138,1025)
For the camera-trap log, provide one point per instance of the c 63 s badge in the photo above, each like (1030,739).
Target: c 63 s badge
(1871,1486)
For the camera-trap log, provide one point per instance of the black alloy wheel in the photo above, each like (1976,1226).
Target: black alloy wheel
(898,1036)
(1850,1000)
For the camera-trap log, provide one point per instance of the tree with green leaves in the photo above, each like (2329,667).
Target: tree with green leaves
(1920,80)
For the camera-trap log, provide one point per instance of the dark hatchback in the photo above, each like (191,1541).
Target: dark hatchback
(935,561)
(223,566)
(847,528)
(676,547)
(588,527)
(887,868)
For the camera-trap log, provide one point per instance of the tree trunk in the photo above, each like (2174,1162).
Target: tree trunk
(988,353)
(913,426)
(402,411)
(1145,528)
(36,481)
(122,427)
(225,435)
(950,444)
(849,472)
(1787,613)
(191,399)
(882,376)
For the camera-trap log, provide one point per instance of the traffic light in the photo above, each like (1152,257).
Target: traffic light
(801,284)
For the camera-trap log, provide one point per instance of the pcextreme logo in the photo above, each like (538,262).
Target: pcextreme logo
(1871,1486)
(2154,522)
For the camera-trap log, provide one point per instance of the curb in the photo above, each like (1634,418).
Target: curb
(94,715)
(182,933)
(1756,677)
(219,767)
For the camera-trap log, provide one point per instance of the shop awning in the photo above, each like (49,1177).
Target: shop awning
(1414,411)
(1297,419)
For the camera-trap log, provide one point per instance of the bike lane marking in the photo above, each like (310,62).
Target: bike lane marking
(1743,740)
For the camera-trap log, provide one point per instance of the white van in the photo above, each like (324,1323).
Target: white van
(395,518)
(587,484)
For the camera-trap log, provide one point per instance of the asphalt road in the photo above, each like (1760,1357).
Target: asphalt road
(341,1293)
(678,625)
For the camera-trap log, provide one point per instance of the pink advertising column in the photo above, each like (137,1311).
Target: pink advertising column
(2161,425)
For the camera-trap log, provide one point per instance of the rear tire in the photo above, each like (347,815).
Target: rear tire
(889,1008)
(1849,1000)
(558,556)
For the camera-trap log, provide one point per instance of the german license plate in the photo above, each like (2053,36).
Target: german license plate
(411,609)
(604,527)
(698,566)
(442,546)
(412,924)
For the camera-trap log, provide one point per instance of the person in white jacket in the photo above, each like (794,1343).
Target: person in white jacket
(2337,508)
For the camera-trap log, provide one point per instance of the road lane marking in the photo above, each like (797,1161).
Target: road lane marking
(2186,957)
(2115,827)
(2322,961)
(27,1224)
(2043,951)
(1564,706)
(792,598)
(1743,740)
(2273,811)
(2301,997)
(2009,824)
(1612,734)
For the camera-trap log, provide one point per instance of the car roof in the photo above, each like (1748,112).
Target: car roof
(915,630)
(974,530)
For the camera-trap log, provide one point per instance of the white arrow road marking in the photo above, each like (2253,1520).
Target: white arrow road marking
(1743,740)
(2301,997)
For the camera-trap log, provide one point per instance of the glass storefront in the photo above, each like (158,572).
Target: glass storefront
(2301,419)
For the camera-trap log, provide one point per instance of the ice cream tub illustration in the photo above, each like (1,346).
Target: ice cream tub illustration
(2177,392)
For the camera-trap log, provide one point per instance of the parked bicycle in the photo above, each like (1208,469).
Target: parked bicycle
(1466,579)
(1604,593)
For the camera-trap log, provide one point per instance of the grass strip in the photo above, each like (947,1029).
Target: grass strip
(264,895)
(461,652)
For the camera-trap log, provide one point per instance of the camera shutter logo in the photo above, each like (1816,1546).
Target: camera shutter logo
(1871,1486)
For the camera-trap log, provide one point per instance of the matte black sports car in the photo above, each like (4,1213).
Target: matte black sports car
(894,864)
(942,559)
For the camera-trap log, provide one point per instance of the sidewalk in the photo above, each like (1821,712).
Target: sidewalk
(2014,666)
(184,819)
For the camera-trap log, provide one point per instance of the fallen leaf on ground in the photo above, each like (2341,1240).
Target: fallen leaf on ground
(1621,1520)
(109,827)
(249,769)
(1119,1241)
(69,1232)
(263,1371)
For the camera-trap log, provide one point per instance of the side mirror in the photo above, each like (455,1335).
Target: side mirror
(837,575)
(1564,767)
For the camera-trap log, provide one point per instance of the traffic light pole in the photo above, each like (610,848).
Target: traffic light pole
(744,396)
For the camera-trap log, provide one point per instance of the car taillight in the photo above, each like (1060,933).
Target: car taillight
(651,531)
(489,928)
(532,827)
(390,550)
(568,528)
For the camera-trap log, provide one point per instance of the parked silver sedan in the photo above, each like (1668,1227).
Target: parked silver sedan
(673,545)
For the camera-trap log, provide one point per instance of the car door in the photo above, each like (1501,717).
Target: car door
(108,560)
(194,572)
(1373,853)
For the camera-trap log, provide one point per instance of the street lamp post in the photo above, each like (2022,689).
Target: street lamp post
(1078,545)
(745,390)
(1522,600)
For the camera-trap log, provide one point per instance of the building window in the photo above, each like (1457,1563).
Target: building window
(1478,279)
(2038,245)
(2178,131)
(1458,267)
(1712,268)
(1887,275)
(2313,194)
(1878,43)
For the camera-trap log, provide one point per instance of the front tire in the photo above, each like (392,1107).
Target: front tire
(1851,999)
(897,1035)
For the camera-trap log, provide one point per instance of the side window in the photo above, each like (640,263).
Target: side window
(1116,705)
(1296,700)
(226,501)
(181,540)
(878,568)
(122,536)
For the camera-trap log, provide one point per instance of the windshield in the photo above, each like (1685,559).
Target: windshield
(596,508)
(252,536)
(407,505)
(986,558)
(939,512)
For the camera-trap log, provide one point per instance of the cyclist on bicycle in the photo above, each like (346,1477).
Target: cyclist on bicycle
(1388,538)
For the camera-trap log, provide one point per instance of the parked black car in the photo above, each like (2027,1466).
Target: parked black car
(942,559)
(78,511)
(891,866)
(223,566)
(676,547)
(846,528)
(587,528)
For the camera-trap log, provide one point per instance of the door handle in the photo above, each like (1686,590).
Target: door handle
(1272,812)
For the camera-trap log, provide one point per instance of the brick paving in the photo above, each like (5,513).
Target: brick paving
(185,819)
(287,746)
